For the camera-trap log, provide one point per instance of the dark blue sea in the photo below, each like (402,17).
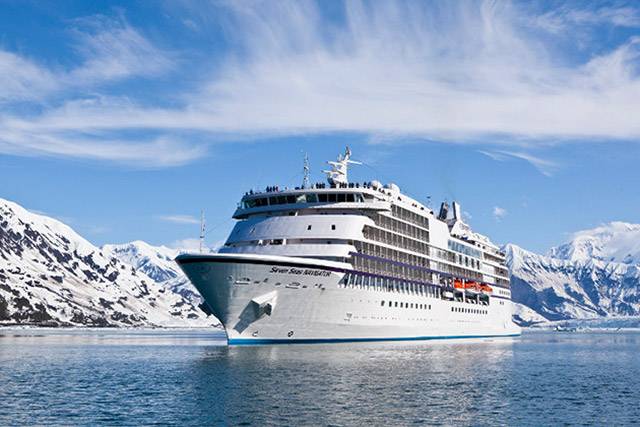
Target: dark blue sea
(185,378)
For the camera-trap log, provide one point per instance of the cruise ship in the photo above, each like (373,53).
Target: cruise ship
(347,261)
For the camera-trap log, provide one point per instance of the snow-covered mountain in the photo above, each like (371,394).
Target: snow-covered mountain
(49,275)
(155,261)
(596,274)
(614,242)
(158,263)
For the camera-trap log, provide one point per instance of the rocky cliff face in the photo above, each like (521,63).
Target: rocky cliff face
(49,275)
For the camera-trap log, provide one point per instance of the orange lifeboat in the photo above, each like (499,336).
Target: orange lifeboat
(457,283)
(486,288)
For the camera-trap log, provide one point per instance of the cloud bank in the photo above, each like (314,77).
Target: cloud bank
(485,73)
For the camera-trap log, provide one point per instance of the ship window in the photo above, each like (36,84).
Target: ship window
(312,198)
(301,198)
(382,303)
(309,227)
(282,200)
(333,197)
(342,197)
(322,198)
(273,200)
(350,197)
(396,303)
(333,226)
(291,199)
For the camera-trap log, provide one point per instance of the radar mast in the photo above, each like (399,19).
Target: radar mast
(338,173)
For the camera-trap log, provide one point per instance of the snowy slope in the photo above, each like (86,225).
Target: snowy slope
(49,275)
(594,275)
(155,261)
(158,263)
(613,242)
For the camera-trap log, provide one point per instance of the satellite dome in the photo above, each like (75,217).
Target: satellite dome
(393,187)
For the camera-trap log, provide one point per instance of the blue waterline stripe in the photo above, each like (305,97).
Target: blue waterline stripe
(250,341)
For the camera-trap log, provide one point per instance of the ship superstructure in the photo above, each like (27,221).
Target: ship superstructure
(345,261)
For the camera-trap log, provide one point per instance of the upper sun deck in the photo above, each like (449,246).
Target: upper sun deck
(336,196)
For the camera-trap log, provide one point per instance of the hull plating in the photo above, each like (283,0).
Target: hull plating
(268,300)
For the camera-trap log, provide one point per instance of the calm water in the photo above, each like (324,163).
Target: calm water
(192,378)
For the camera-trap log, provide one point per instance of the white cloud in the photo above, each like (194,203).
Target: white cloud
(566,18)
(544,166)
(114,50)
(499,213)
(23,80)
(460,72)
(179,219)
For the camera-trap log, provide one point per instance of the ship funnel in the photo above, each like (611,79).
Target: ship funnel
(457,212)
(444,211)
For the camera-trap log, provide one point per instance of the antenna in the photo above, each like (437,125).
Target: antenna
(338,173)
(305,179)
(202,225)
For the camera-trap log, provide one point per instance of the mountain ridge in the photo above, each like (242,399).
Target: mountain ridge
(594,274)
(50,275)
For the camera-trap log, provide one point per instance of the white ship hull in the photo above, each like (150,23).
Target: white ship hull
(277,299)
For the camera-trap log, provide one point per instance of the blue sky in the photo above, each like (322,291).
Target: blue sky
(125,119)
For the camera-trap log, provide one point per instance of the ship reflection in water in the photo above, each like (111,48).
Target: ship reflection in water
(193,378)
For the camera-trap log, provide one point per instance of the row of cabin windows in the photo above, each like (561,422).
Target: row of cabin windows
(401,227)
(302,198)
(394,239)
(389,262)
(468,310)
(406,305)
(457,271)
(410,216)
(387,284)
(386,267)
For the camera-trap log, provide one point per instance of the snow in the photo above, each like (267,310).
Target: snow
(613,242)
(158,263)
(594,275)
(50,275)
(525,316)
